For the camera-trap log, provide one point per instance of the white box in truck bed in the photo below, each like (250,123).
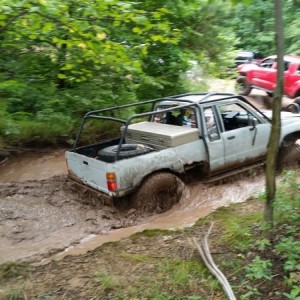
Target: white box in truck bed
(160,135)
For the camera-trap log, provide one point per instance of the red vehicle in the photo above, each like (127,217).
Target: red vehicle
(262,75)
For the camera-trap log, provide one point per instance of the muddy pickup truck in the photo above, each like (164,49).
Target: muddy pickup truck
(208,135)
(262,75)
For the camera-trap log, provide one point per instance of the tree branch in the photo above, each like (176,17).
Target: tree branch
(14,18)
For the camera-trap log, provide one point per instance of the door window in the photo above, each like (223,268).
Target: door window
(235,116)
(267,63)
(211,125)
(179,117)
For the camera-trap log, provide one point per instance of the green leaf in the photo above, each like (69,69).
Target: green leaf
(156,38)
(137,30)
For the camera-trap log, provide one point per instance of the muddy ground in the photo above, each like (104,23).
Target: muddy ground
(41,215)
(44,217)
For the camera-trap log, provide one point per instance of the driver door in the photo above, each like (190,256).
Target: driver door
(245,137)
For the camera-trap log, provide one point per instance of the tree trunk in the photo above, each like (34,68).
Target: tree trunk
(273,145)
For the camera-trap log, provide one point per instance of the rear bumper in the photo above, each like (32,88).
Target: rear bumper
(104,198)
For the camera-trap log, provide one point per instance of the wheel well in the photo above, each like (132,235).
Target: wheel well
(290,138)
(160,171)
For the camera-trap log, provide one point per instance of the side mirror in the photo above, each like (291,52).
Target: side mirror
(252,122)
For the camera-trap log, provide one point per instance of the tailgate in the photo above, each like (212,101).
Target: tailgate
(89,171)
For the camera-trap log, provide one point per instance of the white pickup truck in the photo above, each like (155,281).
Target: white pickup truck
(203,134)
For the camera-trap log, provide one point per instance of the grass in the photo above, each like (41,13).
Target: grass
(14,269)
(163,280)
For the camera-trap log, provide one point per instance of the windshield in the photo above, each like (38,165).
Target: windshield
(245,54)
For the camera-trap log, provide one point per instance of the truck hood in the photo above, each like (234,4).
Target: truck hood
(246,67)
(286,117)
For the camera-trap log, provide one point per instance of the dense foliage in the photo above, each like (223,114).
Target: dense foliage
(253,25)
(59,59)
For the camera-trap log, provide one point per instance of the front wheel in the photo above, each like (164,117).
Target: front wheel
(289,156)
(293,108)
(158,193)
(242,86)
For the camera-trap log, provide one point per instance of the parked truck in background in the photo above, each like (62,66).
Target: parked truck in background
(208,135)
(263,75)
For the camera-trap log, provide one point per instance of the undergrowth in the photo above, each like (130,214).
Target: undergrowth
(279,259)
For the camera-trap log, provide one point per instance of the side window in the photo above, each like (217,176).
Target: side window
(211,125)
(267,63)
(235,116)
(189,118)
(286,65)
(178,117)
(170,117)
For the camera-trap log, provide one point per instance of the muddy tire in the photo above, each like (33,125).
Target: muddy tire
(242,86)
(293,108)
(158,193)
(289,157)
(127,150)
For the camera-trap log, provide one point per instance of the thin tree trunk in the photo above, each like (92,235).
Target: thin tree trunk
(273,145)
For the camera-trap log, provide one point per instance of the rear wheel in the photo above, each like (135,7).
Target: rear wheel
(289,156)
(158,193)
(242,86)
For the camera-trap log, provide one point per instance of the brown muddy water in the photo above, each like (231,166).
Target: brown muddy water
(40,215)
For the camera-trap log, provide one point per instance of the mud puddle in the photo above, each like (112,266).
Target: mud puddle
(33,165)
(199,201)
(39,218)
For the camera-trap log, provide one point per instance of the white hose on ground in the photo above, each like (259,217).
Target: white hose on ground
(204,251)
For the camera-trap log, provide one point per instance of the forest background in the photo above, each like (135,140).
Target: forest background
(60,59)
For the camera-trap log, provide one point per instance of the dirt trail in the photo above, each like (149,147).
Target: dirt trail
(41,215)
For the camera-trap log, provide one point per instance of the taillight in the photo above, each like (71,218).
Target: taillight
(68,170)
(111,181)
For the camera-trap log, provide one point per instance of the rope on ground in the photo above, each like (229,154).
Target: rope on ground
(204,251)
